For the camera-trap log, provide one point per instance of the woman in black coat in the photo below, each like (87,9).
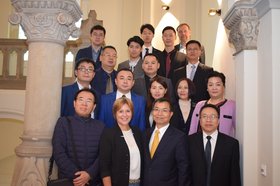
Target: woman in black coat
(184,107)
(121,148)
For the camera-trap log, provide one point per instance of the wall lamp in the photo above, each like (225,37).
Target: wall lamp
(213,12)
(165,7)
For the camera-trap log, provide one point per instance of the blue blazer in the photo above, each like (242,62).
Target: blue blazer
(67,99)
(87,53)
(169,165)
(106,113)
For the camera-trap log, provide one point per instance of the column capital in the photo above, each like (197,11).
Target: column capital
(243,25)
(47,20)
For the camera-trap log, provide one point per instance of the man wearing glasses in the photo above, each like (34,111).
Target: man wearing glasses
(166,158)
(84,73)
(214,156)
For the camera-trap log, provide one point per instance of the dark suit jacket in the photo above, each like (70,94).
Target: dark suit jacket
(114,154)
(67,98)
(199,80)
(138,71)
(169,165)
(177,119)
(100,79)
(140,87)
(106,113)
(87,53)
(178,60)
(225,170)
(201,57)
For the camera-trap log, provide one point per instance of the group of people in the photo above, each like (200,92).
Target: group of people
(161,118)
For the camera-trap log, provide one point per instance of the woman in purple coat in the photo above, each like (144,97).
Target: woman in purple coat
(216,89)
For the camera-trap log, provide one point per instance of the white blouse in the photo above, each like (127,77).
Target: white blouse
(134,154)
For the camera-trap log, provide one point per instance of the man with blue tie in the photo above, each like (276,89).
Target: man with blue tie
(195,71)
(214,156)
(124,82)
(166,158)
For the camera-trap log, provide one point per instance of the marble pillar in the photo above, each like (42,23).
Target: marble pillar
(243,26)
(47,25)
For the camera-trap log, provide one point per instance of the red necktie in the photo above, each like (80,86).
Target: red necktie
(167,64)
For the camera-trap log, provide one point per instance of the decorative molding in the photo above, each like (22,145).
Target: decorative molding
(47,20)
(243,25)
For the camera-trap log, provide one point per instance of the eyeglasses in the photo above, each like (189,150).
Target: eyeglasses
(192,49)
(210,117)
(165,111)
(88,70)
(84,101)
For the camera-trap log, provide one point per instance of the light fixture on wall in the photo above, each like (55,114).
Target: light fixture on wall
(213,12)
(165,7)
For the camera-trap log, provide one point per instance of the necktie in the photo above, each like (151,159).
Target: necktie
(109,85)
(131,68)
(167,64)
(155,143)
(208,159)
(147,51)
(192,72)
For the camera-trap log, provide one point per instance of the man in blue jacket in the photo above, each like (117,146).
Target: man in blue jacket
(81,134)
(84,73)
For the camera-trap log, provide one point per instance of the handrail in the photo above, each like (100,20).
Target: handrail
(13,65)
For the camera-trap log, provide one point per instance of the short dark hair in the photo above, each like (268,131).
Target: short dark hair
(151,54)
(193,42)
(219,75)
(148,26)
(161,100)
(210,106)
(86,90)
(135,39)
(124,69)
(81,60)
(183,24)
(191,86)
(98,27)
(169,28)
(108,46)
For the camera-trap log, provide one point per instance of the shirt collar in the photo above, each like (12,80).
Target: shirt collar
(214,135)
(81,87)
(119,95)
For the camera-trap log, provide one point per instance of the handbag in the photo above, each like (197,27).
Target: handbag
(62,181)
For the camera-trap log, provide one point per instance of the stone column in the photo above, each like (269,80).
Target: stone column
(243,24)
(47,25)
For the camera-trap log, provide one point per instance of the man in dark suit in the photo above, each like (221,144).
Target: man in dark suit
(165,150)
(184,34)
(104,79)
(147,32)
(134,63)
(195,71)
(170,58)
(97,36)
(214,156)
(124,81)
(150,66)
(84,72)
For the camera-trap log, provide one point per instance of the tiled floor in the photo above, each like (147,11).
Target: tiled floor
(6,170)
